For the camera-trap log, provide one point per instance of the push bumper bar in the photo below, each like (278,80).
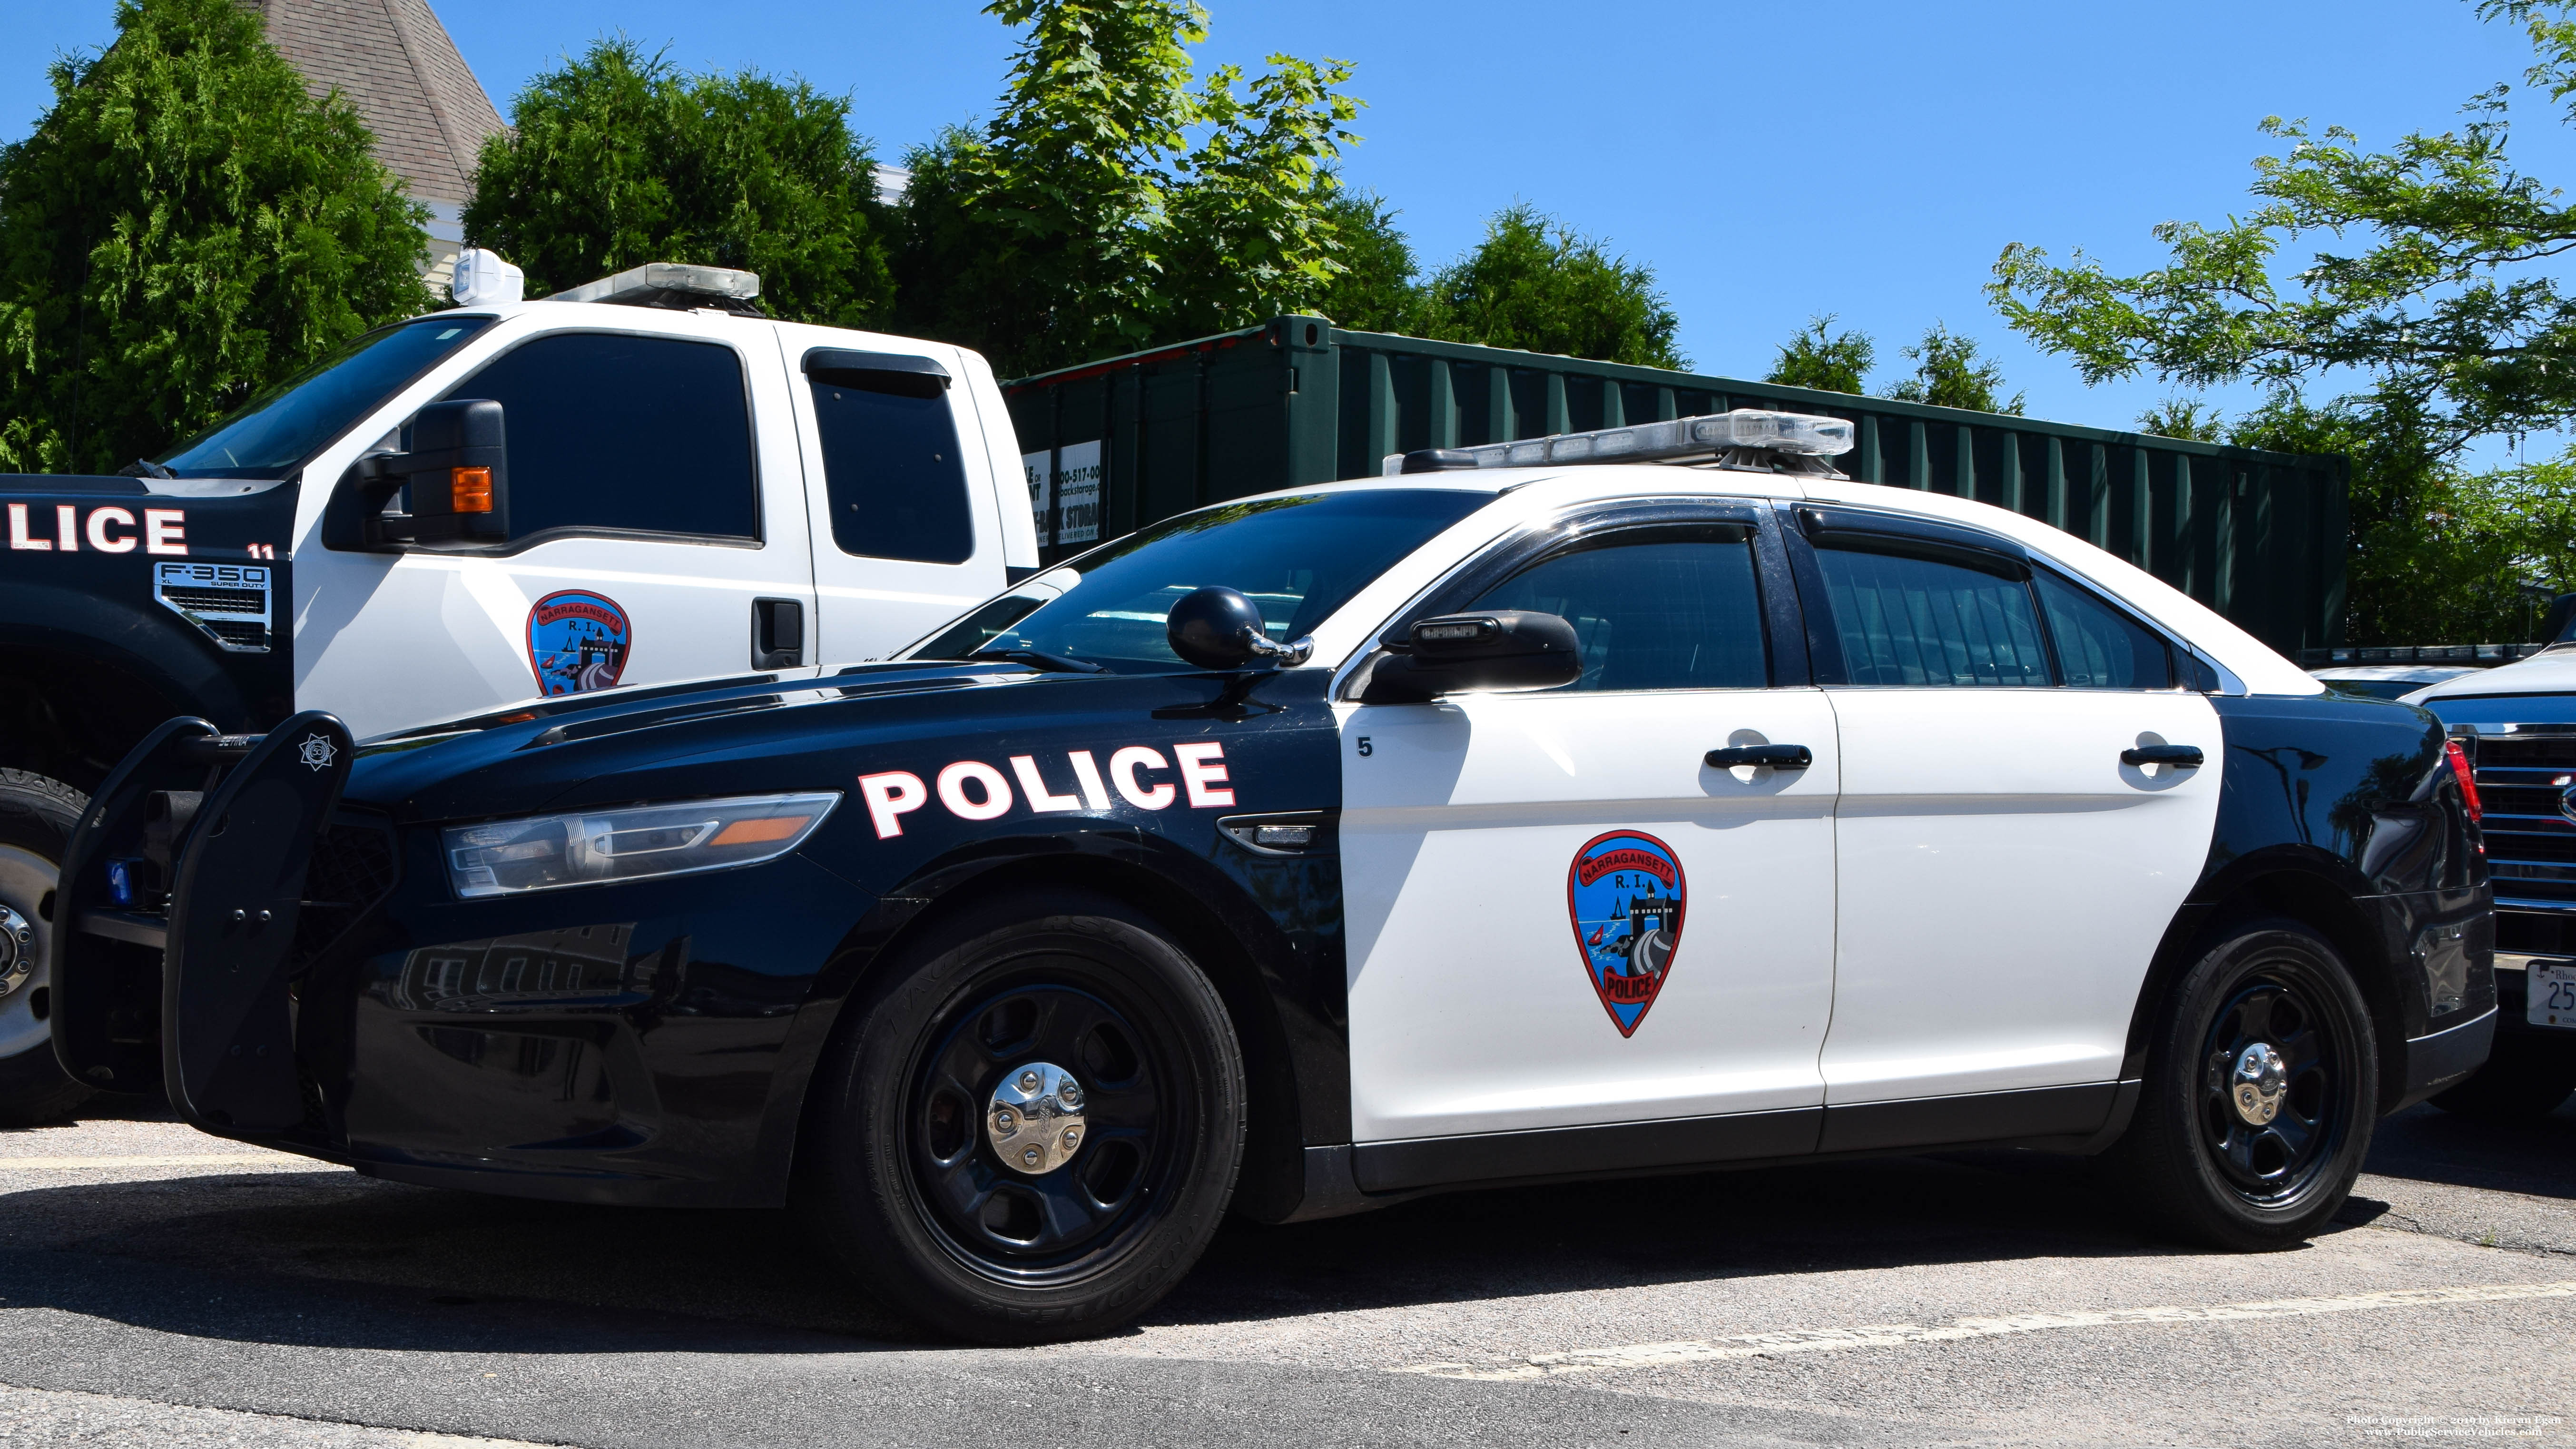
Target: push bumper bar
(182,893)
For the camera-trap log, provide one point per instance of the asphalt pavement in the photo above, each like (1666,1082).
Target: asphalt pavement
(162,1288)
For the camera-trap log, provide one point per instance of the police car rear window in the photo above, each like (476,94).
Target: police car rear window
(1299,558)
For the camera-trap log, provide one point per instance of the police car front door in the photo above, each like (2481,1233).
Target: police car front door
(1559,913)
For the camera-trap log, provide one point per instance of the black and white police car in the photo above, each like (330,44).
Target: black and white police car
(1510,817)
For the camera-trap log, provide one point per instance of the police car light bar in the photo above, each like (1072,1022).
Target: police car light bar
(1778,436)
(654,283)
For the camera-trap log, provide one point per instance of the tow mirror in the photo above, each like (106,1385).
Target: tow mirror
(1218,628)
(1498,651)
(458,474)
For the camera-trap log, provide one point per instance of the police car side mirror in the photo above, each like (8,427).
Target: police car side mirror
(458,474)
(1218,628)
(1496,651)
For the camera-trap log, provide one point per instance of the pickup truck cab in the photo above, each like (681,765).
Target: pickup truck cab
(639,481)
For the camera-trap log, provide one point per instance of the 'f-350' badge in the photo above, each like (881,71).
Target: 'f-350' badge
(1626,894)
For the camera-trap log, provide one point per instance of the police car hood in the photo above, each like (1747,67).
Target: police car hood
(2553,671)
(741,735)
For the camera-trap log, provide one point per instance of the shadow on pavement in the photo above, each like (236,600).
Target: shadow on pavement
(2427,1144)
(547,1277)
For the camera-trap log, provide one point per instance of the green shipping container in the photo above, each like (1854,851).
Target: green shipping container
(1128,440)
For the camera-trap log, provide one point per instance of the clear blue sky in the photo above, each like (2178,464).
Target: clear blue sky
(1769,161)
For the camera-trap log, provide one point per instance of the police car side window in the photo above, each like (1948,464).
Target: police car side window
(1661,614)
(611,432)
(1916,619)
(892,466)
(2098,647)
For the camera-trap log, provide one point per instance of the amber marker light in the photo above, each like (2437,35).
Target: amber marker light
(469,490)
(761,831)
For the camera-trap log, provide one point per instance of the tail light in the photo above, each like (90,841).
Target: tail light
(2468,779)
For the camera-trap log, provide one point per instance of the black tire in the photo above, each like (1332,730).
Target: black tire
(2521,1081)
(900,1175)
(36,820)
(2194,1161)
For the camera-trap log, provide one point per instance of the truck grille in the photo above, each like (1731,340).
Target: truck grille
(2523,780)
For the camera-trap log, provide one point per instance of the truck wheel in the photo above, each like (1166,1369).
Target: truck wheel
(36,820)
(2521,1081)
(2261,1086)
(1028,1126)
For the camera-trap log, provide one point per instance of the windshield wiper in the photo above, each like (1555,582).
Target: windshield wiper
(145,468)
(1040,659)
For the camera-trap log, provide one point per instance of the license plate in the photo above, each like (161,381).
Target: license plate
(2552,1001)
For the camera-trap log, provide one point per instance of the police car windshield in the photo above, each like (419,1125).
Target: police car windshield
(1299,558)
(282,427)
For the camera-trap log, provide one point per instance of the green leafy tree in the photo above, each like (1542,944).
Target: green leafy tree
(1824,359)
(1535,283)
(1378,288)
(1110,204)
(1947,374)
(2187,418)
(617,159)
(184,228)
(2428,277)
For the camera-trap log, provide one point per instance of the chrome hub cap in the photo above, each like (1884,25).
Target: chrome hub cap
(17,950)
(2258,1083)
(1034,1120)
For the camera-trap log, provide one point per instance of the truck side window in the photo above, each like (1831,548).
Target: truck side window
(2098,647)
(1666,614)
(1916,621)
(613,432)
(892,467)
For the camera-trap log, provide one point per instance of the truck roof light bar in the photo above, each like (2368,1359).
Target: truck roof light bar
(1755,438)
(676,285)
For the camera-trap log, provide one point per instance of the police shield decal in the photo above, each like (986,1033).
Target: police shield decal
(1626,894)
(577,641)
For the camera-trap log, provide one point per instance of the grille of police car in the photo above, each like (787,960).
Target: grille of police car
(352,868)
(2524,779)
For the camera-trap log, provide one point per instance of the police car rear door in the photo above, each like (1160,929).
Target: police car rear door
(2005,874)
(1561,913)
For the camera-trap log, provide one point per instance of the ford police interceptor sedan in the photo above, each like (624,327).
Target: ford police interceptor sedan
(1510,817)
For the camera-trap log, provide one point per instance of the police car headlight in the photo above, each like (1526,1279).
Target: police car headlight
(543,852)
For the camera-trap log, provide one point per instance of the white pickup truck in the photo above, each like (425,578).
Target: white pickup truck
(637,481)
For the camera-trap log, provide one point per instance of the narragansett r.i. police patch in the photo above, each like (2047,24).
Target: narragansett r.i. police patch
(1626,894)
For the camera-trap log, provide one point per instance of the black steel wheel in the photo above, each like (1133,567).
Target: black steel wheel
(1029,1123)
(2261,1088)
(1000,1215)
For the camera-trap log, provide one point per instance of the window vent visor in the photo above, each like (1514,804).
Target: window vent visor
(228,603)
(830,363)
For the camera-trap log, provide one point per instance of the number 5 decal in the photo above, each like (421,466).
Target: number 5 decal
(1365,748)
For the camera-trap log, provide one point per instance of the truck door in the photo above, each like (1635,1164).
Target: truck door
(657,533)
(899,482)
(1559,913)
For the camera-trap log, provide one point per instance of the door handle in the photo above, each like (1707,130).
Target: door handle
(2187,756)
(777,633)
(1778,757)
